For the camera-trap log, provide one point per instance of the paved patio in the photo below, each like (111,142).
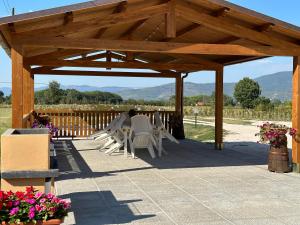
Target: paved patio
(194,184)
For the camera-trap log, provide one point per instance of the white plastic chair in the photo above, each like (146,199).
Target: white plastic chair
(101,135)
(141,135)
(161,132)
(116,137)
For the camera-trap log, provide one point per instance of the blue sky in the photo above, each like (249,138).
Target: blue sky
(286,10)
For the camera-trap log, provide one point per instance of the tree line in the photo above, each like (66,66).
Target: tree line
(247,94)
(55,95)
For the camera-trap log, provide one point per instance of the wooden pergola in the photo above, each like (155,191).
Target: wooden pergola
(169,37)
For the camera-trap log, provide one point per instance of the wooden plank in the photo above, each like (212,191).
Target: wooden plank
(96,23)
(193,13)
(219,110)
(170,19)
(296,114)
(128,65)
(17,89)
(159,47)
(104,73)
(57,10)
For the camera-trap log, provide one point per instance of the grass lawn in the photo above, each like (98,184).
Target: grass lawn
(5,119)
(200,132)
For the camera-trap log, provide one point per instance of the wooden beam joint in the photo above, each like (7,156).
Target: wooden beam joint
(221,12)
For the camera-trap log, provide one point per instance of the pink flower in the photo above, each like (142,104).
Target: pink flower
(30,201)
(14,211)
(38,208)
(38,195)
(43,200)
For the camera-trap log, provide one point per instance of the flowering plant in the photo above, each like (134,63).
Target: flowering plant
(44,122)
(52,129)
(31,206)
(275,134)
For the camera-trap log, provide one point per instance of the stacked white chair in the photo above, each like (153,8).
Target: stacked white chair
(141,135)
(106,132)
(116,141)
(160,133)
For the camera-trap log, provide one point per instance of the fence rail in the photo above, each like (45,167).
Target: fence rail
(82,123)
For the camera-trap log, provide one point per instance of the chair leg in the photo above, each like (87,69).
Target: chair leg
(151,151)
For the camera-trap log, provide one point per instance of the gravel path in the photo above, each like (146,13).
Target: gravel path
(239,133)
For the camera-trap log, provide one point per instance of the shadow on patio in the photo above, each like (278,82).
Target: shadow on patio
(188,154)
(101,207)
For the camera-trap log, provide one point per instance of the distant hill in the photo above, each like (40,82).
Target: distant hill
(7,90)
(274,86)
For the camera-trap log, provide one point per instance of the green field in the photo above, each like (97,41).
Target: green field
(5,118)
(199,133)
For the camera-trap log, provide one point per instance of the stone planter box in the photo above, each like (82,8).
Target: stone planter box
(25,159)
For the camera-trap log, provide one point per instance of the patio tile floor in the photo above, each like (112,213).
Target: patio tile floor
(193,184)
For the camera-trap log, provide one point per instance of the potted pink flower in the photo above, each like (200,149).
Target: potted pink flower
(32,207)
(276,136)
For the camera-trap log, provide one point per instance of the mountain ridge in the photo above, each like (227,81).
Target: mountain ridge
(274,86)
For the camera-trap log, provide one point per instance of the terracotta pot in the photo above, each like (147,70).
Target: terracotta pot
(279,159)
(48,222)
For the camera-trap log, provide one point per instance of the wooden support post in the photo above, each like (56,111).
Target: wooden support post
(296,114)
(219,110)
(26,90)
(17,89)
(178,92)
(32,92)
(177,124)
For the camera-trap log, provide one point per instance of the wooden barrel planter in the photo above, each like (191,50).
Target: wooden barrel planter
(279,159)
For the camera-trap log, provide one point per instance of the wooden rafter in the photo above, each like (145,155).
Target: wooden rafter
(171,19)
(46,71)
(96,23)
(128,33)
(193,13)
(121,7)
(158,47)
(128,65)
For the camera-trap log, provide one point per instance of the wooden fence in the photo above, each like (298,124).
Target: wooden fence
(82,123)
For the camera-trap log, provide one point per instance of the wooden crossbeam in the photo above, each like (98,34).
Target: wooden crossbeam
(191,12)
(107,21)
(127,65)
(46,71)
(197,59)
(158,47)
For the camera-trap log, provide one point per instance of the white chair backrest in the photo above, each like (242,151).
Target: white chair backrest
(121,120)
(157,120)
(112,123)
(141,124)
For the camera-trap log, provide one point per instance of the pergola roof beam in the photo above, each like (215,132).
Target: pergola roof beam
(110,20)
(46,71)
(190,12)
(159,47)
(128,65)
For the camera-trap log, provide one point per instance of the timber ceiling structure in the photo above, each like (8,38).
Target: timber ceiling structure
(173,36)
